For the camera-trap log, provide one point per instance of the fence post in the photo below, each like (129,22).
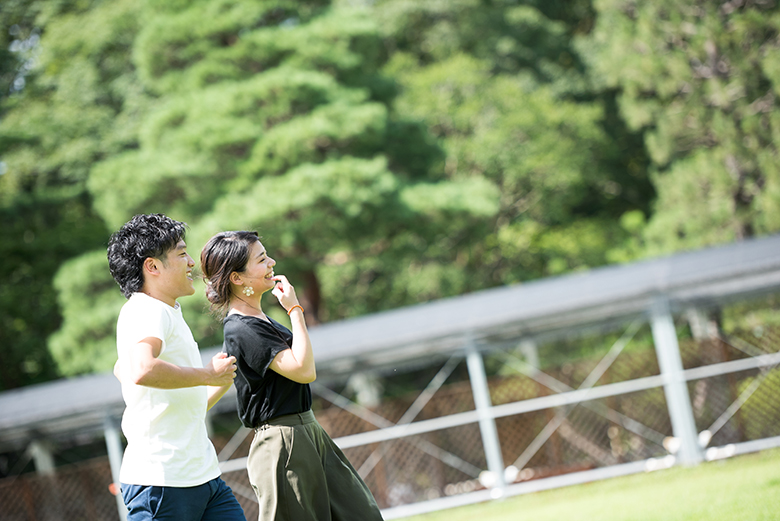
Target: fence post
(114,447)
(487,424)
(530,352)
(40,450)
(675,387)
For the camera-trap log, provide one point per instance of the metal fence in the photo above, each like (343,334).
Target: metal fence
(76,492)
(566,408)
(603,410)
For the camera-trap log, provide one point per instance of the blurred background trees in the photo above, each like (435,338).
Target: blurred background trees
(389,152)
(699,80)
(55,121)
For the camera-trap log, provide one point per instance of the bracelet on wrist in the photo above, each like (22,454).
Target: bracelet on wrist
(295,306)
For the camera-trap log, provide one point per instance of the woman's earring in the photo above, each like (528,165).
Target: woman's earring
(248,291)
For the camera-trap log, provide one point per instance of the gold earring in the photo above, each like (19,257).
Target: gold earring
(248,291)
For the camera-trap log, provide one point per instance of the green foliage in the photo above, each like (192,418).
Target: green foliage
(45,144)
(38,232)
(758,416)
(68,109)
(272,116)
(87,340)
(699,81)
(759,315)
(544,154)
(531,37)
(389,154)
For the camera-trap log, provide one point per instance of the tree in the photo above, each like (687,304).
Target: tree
(531,37)
(699,81)
(503,88)
(44,208)
(272,116)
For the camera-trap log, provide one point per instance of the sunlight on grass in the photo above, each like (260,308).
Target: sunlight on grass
(746,488)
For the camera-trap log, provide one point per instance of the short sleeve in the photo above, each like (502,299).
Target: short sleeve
(253,343)
(137,322)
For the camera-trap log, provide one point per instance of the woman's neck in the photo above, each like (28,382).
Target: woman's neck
(243,307)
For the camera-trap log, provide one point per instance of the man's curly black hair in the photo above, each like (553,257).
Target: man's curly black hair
(143,236)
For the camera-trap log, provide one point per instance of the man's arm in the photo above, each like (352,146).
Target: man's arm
(145,368)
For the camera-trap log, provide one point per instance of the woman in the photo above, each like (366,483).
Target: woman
(296,470)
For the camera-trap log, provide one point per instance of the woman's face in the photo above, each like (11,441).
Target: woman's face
(259,269)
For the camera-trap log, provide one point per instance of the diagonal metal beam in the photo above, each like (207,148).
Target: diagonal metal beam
(742,345)
(233,443)
(586,385)
(753,351)
(378,421)
(740,401)
(411,413)
(433,386)
(350,406)
(556,385)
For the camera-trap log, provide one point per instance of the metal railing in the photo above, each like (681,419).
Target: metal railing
(673,402)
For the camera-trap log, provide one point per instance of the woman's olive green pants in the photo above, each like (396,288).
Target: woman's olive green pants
(299,474)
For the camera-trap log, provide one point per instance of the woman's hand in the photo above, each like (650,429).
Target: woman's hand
(284,292)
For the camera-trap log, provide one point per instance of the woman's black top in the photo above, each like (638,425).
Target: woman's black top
(262,393)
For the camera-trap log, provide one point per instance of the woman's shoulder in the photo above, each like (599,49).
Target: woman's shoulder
(238,324)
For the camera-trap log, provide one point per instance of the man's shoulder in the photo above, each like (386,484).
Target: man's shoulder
(140,301)
(142,306)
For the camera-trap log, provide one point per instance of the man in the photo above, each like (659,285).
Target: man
(169,470)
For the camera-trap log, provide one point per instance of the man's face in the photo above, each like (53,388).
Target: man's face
(176,272)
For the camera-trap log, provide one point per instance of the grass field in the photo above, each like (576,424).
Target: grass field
(744,488)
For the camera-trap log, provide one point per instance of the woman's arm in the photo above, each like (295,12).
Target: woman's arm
(296,363)
(216,393)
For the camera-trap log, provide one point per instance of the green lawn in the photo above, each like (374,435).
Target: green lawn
(745,488)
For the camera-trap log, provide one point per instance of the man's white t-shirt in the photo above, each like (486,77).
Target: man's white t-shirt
(167,442)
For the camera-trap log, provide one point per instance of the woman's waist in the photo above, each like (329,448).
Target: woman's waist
(300,418)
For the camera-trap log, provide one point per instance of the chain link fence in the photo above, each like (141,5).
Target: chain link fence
(75,492)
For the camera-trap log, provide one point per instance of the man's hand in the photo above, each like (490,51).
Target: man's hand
(118,371)
(222,368)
